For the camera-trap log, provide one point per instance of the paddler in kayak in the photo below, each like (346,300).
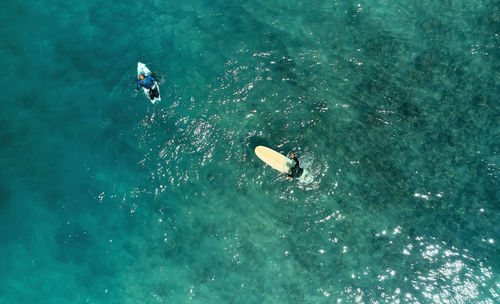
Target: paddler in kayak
(148,82)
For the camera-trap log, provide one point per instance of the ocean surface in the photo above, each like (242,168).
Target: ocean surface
(392,107)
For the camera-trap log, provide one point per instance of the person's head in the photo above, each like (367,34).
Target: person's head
(141,76)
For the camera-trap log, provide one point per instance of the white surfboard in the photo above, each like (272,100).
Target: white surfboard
(143,69)
(274,159)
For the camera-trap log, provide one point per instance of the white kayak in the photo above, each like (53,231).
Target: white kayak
(143,69)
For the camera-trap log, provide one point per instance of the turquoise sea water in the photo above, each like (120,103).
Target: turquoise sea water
(392,107)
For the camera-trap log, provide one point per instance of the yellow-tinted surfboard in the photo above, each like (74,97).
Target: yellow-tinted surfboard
(274,159)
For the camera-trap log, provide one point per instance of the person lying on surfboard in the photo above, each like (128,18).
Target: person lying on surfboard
(295,171)
(148,82)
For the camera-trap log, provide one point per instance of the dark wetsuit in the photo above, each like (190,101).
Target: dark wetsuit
(295,171)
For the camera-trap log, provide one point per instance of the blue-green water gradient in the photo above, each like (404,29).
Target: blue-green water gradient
(391,107)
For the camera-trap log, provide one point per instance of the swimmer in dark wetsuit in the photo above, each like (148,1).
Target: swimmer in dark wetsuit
(296,171)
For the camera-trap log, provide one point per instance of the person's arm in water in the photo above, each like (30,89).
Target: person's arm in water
(138,85)
(152,79)
(295,159)
(289,176)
